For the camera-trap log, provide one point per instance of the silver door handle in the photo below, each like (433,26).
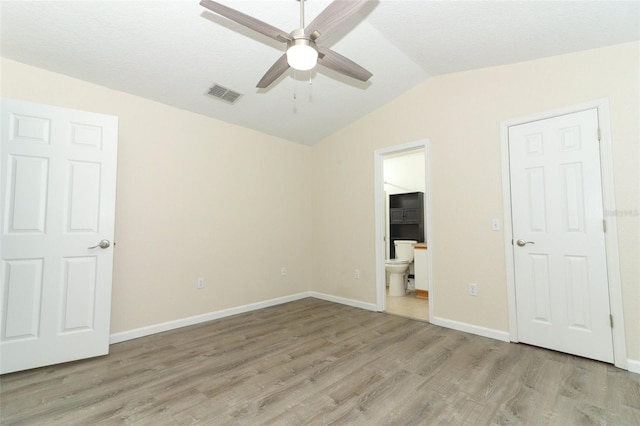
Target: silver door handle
(102,244)
(522,243)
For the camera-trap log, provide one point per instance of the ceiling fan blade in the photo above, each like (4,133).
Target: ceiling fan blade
(276,70)
(247,21)
(339,63)
(331,17)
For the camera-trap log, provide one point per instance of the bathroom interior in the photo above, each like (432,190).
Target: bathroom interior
(405,235)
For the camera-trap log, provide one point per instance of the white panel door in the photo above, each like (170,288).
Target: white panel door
(58,175)
(562,293)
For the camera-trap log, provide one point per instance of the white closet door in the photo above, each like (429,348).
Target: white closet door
(562,292)
(58,176)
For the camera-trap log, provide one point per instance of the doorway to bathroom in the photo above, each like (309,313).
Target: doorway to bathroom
(403,212)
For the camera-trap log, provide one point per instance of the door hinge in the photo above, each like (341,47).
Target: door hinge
(604,225)
(611,320)
(599,134)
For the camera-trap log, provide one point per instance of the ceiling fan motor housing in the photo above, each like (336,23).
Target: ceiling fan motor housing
(302,53)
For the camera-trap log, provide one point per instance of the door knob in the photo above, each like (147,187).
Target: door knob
(102,244)
(522,243)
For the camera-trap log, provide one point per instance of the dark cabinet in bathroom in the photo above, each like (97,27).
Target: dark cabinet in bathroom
(406,218)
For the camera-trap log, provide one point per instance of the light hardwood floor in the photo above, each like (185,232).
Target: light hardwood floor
(316,362)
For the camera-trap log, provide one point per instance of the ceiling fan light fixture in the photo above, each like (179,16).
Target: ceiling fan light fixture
(301,55)
(302,52)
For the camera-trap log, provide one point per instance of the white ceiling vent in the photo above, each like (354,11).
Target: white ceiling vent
(224,94)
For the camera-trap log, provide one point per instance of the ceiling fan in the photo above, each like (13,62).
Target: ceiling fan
(303,52)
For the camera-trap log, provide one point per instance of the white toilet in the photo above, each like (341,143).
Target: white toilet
(398,267)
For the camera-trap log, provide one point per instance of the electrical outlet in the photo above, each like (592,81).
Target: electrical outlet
(473,289)
(200,283)
(356,274)
(283,271)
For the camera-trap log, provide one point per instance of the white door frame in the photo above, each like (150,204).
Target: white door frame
(608,199)
(380,222)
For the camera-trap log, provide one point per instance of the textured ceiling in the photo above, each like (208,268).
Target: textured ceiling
(173,51)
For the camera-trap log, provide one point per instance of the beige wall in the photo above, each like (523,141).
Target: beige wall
(199,197)
(196,197)
(461,114)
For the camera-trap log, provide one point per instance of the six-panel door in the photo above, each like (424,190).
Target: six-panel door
(58,199)
(562,293)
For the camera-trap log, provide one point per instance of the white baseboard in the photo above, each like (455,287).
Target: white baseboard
(473,329)
(184,322)
(633,366)
(344,301)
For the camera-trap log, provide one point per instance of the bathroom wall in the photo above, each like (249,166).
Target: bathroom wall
(402,173)
(196,197)
(461,115)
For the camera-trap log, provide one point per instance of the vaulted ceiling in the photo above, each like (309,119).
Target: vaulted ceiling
(174,51)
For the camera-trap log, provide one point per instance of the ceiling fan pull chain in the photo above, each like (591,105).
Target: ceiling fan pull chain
(295,86)
(310,88)
(295,93)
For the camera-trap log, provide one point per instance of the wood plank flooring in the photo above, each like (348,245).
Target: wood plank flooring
(315,362)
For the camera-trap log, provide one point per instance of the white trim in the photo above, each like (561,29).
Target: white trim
(378,196)
(184,322)
(508,232)
(428,227)
(503,336)
(611,236)
(344,301)
(197,319)
(634,366)
(379,221)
